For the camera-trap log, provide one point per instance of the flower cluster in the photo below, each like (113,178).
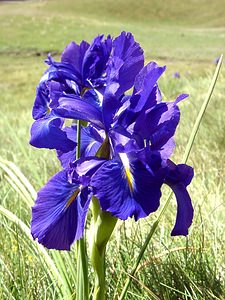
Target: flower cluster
(125,145)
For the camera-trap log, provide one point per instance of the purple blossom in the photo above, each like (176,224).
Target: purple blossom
(176,75)
(216,60)
(134,134)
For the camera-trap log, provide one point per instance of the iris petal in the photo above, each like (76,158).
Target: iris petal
(158,124)
(178,177)
(74,54)
(76,108)
(184,210)
(59,213)
(145,81)
(90,143)
(96,57)
(60,71)
(41,102)
(127,190)
(47,133)
(127,61)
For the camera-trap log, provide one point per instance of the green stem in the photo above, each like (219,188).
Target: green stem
(185,158)
(82,292)
(102,228)
(78,139)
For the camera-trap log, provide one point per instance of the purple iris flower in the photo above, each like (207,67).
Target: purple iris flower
(176,75)
(134,134)
(80,75)
(216,60)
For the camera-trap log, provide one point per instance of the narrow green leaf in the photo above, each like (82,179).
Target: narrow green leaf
(23,149)
(51,267)
(202,112)
(15,181)
(24,188)
(21,176)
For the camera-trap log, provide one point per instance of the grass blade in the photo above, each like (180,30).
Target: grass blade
(21,176)
(23,187)
(40,250)
(16,182)
(202,112)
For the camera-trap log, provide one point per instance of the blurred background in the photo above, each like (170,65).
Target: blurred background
(188,37)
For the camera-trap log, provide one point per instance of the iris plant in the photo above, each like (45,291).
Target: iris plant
(125,141)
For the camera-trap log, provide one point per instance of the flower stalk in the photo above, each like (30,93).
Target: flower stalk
(82,267)
(102,228)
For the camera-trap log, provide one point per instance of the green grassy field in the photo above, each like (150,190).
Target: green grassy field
(187,37)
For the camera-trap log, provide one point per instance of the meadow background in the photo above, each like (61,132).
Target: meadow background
(187,36)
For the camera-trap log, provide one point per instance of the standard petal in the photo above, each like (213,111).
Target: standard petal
(59,78)
(41,102)
(143,95)
(125,189)
(96,58)
(59,213)
(47,133)
(178,177)
(158,124)
(60,71)
(122,140)
(74,55)
(76,108)
(126,62)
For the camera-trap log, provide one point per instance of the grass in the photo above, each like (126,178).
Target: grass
(186,41)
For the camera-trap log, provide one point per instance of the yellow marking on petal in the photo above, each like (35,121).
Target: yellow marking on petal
(128,173)
(72,198)
(129,178)
(84,90)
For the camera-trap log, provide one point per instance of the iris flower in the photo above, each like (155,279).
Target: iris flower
(81,71)
(125,148)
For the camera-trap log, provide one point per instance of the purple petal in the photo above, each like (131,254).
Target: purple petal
(76,108)
(60,71)
(47,133)
(74,55)
(159,124)
(145,81)
(127,190)
(122,140)
(184,210)
(83,169)
(89,144)
(41,102)
(59,78)
(146,94)
(96,57)
(109,107)
(181,97)
(59,213)
(178,177)
(127,60)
